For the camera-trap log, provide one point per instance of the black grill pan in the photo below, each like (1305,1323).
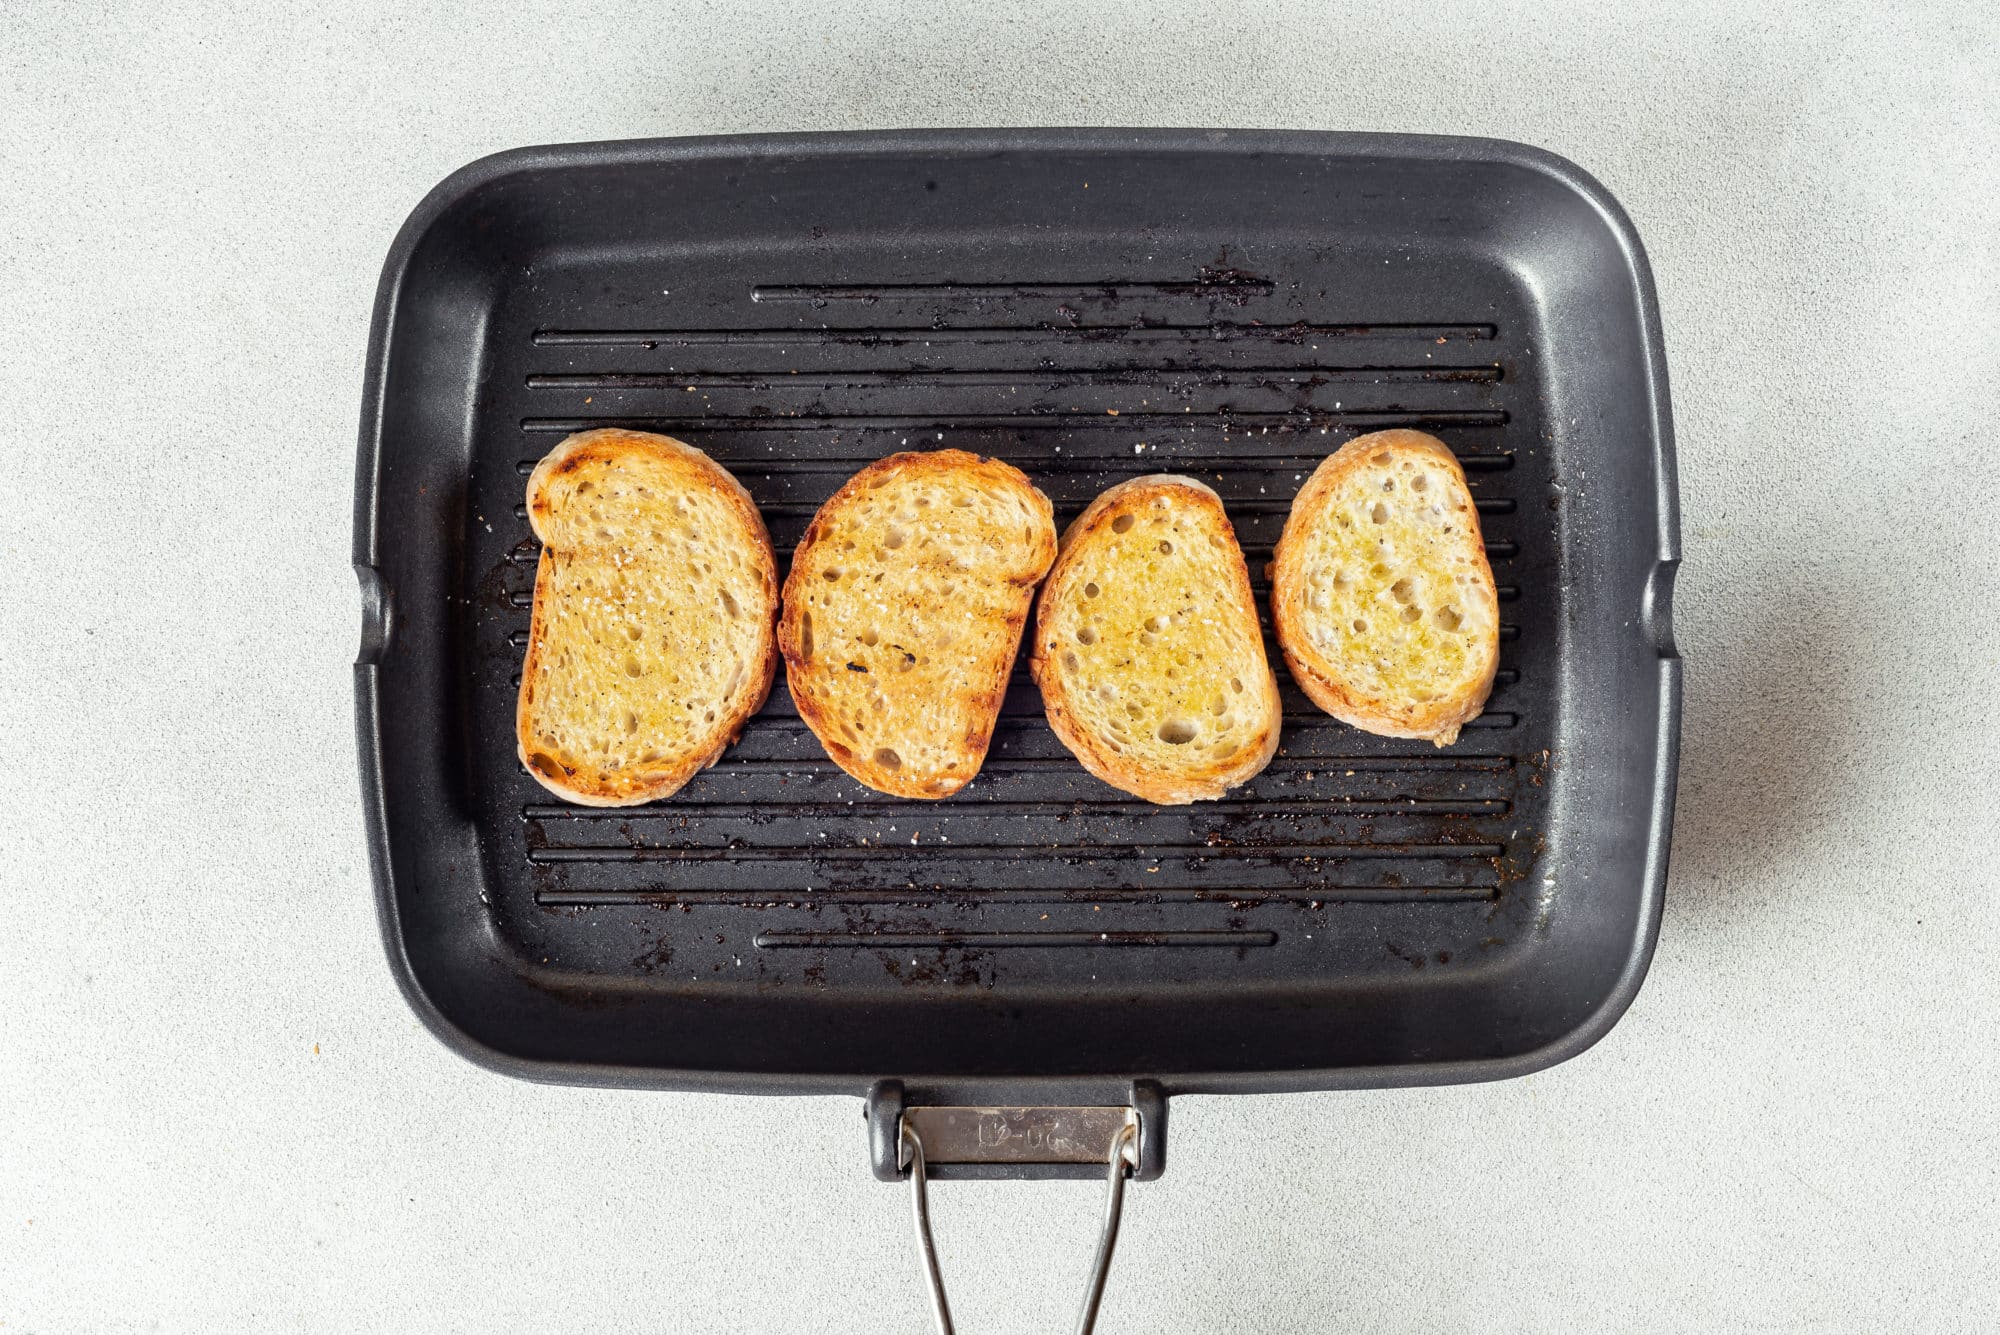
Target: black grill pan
(1090,306)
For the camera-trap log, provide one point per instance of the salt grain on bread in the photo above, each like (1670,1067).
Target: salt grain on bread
(1381,594)
(652,638)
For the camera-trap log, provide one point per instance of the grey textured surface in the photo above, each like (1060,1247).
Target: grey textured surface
(217,1114)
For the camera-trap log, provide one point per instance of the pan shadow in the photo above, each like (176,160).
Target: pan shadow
(1773,666)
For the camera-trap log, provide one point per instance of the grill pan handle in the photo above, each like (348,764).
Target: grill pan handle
(1094,1139)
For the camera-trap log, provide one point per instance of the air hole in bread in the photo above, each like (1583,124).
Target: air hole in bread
(963,503)
(870,638)
(543,763)
(1218,706)
(1360,626)
(1449,618)
(894,538)
(583,488)
(1413,614)
(1091,590)
(923,501)
(1378,571)
(1381,458)
(1156,624)
(1177,732)
(1122,524)
(1147,638)
(1421,482)
(652,758)
(1086,635)
(1380,514)
(832,574)
(879,481)
(633,633)
(1166,548)
(632,668)
(1388,484)
(1236,685)
(1071,661)
(729,605)
(630,721)
(806,638)
(1401,590)
(887,758)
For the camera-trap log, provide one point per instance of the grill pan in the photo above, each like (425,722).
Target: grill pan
(1090,306)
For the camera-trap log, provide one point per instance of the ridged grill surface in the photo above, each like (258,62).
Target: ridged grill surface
(1081,385)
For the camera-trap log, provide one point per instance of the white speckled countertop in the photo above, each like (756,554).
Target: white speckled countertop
(216,1112)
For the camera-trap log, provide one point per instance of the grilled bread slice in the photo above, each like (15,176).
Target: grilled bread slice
(1147,647)
(903,614)
(652,640)
(1381,595)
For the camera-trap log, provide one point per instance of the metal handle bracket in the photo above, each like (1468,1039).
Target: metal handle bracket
(1027,1134)
(966,1139)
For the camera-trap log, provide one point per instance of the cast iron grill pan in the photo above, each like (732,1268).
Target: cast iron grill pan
(1090,306)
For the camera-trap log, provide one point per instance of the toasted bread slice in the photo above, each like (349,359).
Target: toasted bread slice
(903,613)
(1381,595)
(652,640)
(1147,647)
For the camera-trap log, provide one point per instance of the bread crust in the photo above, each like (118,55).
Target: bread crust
(1194,783)
(701,472)
(1437,721)
(985,695)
